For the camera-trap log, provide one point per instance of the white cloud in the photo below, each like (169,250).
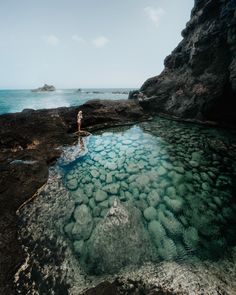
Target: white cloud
(154,14)
(100,41)
(52,40)
(78,39)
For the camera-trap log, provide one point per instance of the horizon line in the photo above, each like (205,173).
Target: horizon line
(72,88)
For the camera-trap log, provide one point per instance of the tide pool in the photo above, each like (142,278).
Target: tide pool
(158,192)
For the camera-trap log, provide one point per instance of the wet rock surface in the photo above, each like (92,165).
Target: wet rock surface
(29,142)
(199,78)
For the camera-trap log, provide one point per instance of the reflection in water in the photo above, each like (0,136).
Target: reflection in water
(160,191)
(72,153)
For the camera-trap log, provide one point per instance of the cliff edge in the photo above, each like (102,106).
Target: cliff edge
(199,78)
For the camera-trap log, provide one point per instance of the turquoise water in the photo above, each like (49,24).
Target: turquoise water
(170,183)
(155,201)
(16,100)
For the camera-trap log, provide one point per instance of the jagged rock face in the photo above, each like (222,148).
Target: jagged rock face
(199,79)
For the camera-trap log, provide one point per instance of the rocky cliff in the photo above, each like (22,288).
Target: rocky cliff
(199,78)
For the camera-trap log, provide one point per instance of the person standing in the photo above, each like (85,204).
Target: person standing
(79,120)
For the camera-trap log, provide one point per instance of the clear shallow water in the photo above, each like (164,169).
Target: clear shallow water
(160,191)
(182,190)
(16,100)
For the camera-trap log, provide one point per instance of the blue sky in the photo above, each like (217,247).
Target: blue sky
(87,43)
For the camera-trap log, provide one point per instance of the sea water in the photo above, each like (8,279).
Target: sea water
(16,100)
(154,192)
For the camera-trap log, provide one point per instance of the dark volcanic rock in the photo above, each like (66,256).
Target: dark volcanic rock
(199,79)
(131,287)
(29,142)
(45,88)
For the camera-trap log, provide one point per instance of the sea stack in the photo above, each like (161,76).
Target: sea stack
(45,88)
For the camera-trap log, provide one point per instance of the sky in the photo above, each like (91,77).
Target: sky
(87,43)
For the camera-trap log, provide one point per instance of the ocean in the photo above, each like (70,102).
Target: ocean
(12,101)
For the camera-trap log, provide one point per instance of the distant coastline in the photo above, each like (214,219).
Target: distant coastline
(12,101)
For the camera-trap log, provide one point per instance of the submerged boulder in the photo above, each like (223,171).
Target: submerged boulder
(83,223)
(120,239)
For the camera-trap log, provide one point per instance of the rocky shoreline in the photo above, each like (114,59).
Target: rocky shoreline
(29,142)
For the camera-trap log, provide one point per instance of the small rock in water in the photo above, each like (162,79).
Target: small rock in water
(127,141)
(175,205)
(157,232)
(142,180)
(171,224)
(79,196)
(112,188)
(109,178)
(153,198)
(72,184)
(83,223)
(176,177)
(100,195)
(206,186)
(104,204)
(171,191)
(112,155)
(161,170)
(133,168)
(135,193)
(121,176)
(88,189)
(194,164)
(95,173)
(68,229)
(168,250)
(96,211)
(167,165)
(182,189)
(150,213)
(196,157)
(99,148)
(104,212)
(111,166)
(92,203)
(179,169)
(191,238)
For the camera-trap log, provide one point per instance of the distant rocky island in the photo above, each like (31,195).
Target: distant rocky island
(45,88)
